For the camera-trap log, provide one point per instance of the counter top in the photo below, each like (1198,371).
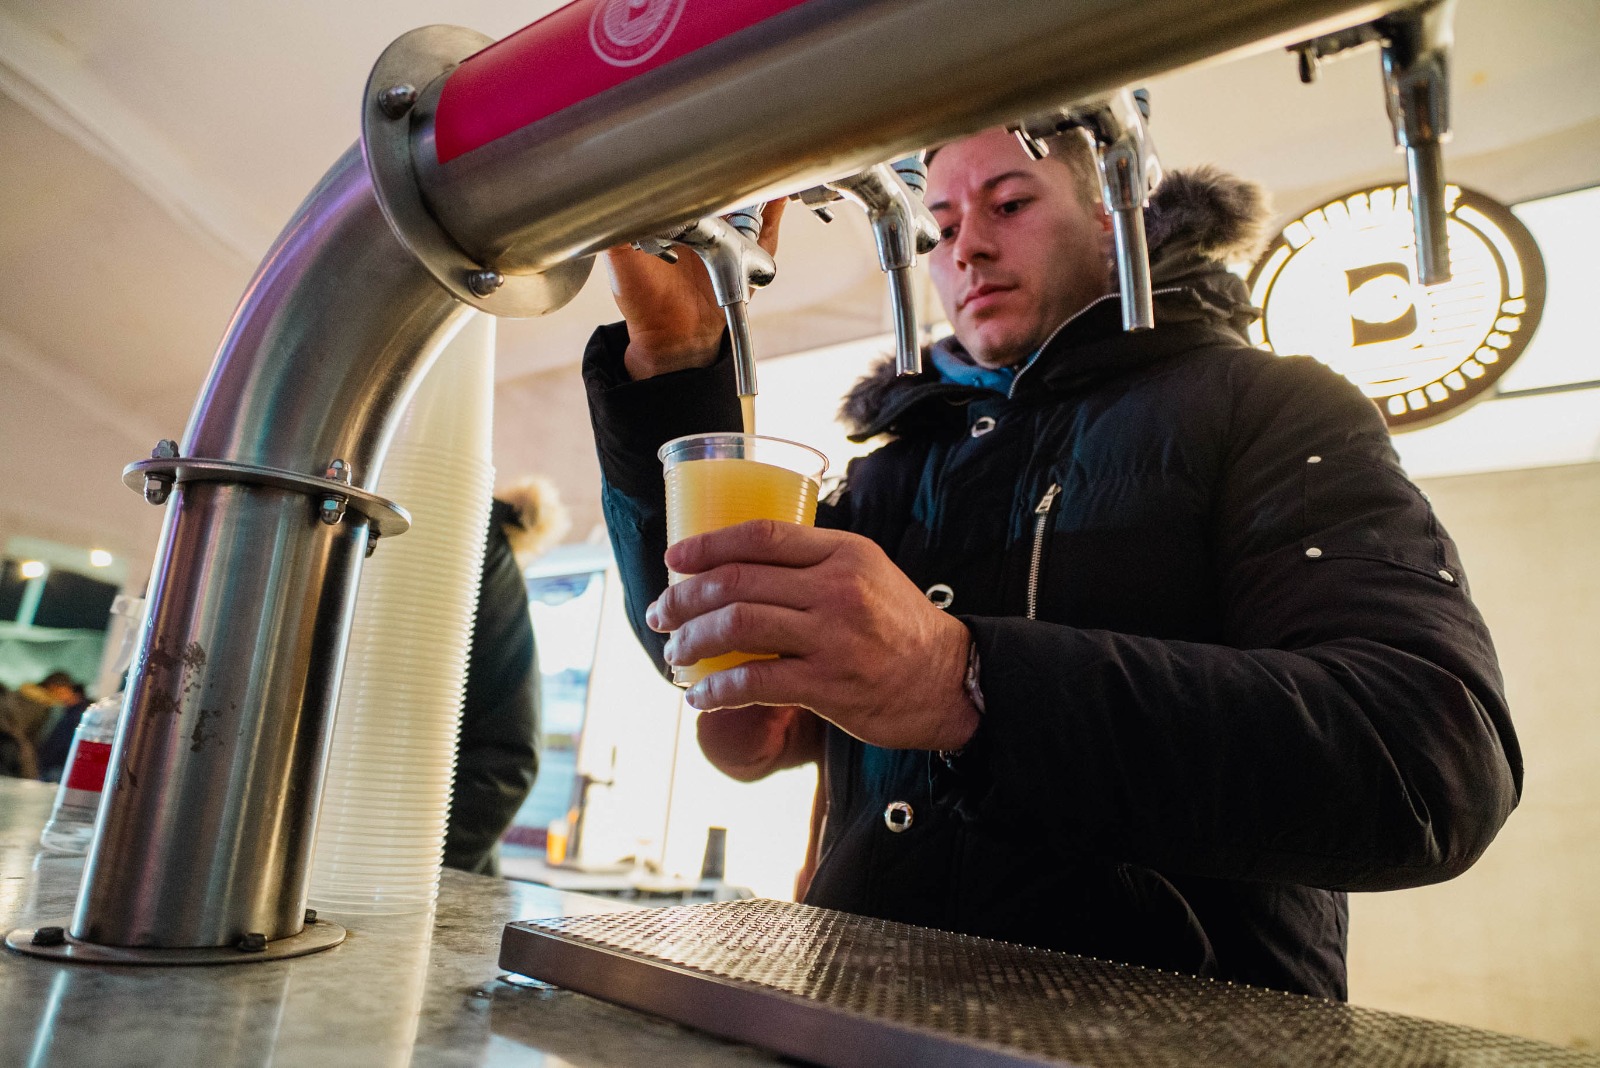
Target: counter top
(401,990)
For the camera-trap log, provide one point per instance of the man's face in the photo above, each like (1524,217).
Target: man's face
(1021,254)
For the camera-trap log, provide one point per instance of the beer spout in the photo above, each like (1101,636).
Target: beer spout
(736,264)
(1415,45)
(902,227)
(1129,173)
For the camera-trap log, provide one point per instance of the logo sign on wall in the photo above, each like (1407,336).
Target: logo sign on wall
(1339,283)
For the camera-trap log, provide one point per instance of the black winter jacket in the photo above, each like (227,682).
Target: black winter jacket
(498,750)
(1229,661)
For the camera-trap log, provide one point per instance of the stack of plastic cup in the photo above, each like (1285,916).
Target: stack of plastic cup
(386,798)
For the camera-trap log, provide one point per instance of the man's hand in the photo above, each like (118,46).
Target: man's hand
(753,742)
(673,319)
(857,643)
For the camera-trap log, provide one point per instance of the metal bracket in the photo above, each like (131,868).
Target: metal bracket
(384,516)
(395,103)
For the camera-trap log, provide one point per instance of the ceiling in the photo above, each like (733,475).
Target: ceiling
(149,152)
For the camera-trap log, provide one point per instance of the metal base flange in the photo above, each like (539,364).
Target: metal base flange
(313,937)
(414,61)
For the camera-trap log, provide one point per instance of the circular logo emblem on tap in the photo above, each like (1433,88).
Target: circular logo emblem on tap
(628,32)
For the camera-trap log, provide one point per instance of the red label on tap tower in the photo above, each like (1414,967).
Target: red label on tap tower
(573,54)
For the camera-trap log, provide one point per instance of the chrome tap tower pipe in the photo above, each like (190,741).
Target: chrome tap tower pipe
(470,190)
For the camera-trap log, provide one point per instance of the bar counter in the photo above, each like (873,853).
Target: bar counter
(418,990)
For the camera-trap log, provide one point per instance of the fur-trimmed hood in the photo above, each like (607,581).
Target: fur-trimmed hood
(532,515)
(1198,221)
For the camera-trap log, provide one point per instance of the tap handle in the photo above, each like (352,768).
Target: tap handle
(735,263)
(903,228)
(1415,43)
(1130,170)
(1416,78)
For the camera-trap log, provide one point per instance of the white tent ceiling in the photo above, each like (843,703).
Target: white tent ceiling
(150,151)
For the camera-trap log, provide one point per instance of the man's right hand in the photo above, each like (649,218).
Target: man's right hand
(673,319)
(752,742)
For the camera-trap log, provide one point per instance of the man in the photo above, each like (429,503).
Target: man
(1133,645)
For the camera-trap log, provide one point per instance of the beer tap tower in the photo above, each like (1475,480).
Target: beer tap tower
(487,176)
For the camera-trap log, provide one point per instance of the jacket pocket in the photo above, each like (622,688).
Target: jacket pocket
(1360,510)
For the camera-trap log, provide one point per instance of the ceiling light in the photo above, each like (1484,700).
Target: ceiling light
(32,569)
(99,558)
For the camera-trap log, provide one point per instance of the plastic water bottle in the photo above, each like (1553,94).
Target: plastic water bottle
(71,825)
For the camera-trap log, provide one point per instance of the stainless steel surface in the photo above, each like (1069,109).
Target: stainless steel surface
(312,939)
(211,795)
(1416,78)
(418,58)
(1133,269)
(850,992)
(387,518)
(808,96)
(907,331)
(423,991)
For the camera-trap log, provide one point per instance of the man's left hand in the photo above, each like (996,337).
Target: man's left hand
(857,643)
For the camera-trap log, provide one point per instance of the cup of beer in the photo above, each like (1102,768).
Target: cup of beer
(719,480)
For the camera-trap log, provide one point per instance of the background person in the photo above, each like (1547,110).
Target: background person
(68,701)
(1203,658)
(498,748)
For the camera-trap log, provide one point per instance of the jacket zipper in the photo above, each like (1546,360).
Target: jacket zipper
(1041,520)
(1012,392)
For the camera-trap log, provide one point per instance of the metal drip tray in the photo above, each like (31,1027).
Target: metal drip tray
(845,991)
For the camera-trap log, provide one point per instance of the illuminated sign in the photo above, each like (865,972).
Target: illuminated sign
(1339,284)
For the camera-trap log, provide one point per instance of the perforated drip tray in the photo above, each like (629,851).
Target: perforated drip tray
(846,991)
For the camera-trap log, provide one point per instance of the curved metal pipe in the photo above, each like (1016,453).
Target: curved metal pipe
(211,796)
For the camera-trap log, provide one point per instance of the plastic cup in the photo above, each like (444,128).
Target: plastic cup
(720,480)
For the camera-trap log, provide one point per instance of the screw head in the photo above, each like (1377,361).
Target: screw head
(332,510)
(166,449)
(339,471)
(157,489)
(311,916)
(50,936)
(485,282)
(396,100)
(254,942)
(372,543)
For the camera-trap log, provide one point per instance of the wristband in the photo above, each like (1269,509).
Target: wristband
(974,692)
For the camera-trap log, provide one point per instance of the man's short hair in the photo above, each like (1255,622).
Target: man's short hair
(61,678)
(1073,149)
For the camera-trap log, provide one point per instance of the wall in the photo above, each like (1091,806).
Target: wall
(1514,944)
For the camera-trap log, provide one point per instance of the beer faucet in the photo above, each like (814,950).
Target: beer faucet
(1129,173)
(902,227)
(736,264)
(1415,46)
